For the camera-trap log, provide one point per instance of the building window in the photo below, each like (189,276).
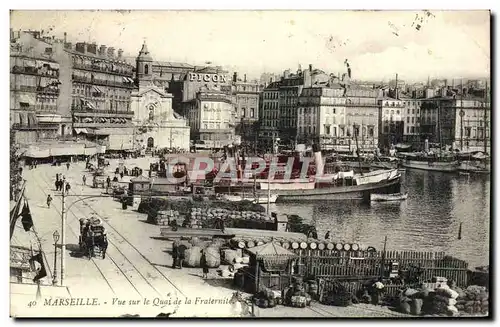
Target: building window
(397,112)
(242,112)
(252,112)
(327,129)
(334,131)
(371,131)
(412,120)
(407,129)
(408,120)
(205,126)
(146,69)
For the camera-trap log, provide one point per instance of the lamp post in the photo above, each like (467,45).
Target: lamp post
(63,233)
(55,236)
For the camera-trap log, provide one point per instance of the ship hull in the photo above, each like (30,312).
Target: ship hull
(355,192)
(450,166)
(475,167)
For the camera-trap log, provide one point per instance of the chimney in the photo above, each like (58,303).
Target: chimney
(396,90)
(102,50)
(245,78)
(111,52)
(235,77)
(310,67)
(65,36)
(80,47)
(92,48)
(120,53)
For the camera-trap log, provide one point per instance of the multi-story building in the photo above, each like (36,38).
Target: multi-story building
(34,89)
(411,118)
(269,115)
(211,118)
(95,93)
(246,96)
(289,91)
(321,117)
(362,118)
(392,121)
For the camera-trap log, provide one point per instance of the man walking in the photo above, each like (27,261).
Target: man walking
(84,179)
(67,165)
(49,200)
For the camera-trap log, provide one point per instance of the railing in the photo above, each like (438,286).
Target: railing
(100,82)
(35,71)
(48,90)
(78,109)
(97,68)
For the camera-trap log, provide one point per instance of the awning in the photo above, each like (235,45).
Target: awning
(131,80)
(88,104)
(125,79)
(27,98)
(81,131)
(98,90)
(53,65)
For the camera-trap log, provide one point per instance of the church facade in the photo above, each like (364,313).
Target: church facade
(156,125)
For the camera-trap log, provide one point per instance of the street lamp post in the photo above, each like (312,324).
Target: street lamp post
(55,236)
(63,232)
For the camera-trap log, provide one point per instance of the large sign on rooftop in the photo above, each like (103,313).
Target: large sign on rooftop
(216,78)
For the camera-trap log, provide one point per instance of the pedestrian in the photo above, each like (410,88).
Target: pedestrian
(182,254)
(49,200)
(84,179)
(57,177)
(67,165)
(68,187)
(57,185)
(108,182)
(204,265)
(175,253)
(121,175)
(327,235)
(36,163)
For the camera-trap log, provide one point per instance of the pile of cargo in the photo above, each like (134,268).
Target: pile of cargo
(267,298)
(296,295)
(208,218)
(295,244)
(339,296)
(444,299)
(164,218)
(475,300)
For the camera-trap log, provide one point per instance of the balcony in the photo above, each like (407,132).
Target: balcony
(35,71)
(48,117)
(80,110)
(94,81)
(97,68)
(48,90)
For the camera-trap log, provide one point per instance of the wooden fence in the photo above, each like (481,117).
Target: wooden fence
(365,265)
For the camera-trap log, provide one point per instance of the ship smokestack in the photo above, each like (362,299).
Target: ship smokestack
(318,159)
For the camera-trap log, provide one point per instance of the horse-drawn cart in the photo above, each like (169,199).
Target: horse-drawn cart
(92,240)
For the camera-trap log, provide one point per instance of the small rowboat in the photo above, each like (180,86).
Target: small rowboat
(388,197)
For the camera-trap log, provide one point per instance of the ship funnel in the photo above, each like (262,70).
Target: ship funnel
(426,145)
(318,159)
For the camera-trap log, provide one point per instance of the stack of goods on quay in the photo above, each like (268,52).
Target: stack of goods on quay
(197,247)
(267,298)
(152,206)
(208,217)
(296,294)
(446,299)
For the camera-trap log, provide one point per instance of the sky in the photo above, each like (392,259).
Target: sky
(377,44)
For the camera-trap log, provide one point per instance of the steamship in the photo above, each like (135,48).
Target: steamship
(342,185)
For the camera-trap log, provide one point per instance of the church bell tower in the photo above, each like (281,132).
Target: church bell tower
(144,66)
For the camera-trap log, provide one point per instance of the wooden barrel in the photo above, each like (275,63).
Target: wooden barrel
(347,247)
(321,246)
(193,256)
(313,245)
(330,246)
(355,247)
(259,242)
(362,247)
(250,244)
(285,245)
(241,244)
(295,245)
(339,246)
(303,245)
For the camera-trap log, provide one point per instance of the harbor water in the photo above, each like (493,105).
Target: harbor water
(429,220)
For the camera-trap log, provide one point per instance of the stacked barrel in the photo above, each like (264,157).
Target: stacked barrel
(295,244)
